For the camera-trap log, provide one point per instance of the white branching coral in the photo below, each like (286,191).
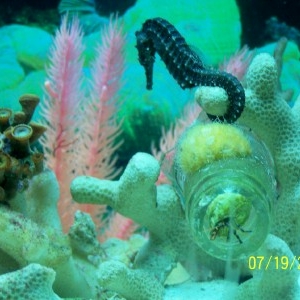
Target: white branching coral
(135,195)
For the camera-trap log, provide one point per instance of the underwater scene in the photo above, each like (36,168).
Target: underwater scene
(150,150)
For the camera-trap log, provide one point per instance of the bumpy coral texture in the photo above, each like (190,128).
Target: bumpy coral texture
(158,208)
(31,233)
(32,282)
(136,196)
(278,125)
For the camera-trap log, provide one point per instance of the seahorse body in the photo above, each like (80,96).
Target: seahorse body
(158,35)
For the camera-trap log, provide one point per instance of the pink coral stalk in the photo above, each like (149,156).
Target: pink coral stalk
(60,109)
(81,138)
(99,132)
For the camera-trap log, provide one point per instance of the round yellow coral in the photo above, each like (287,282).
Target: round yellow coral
(204,143)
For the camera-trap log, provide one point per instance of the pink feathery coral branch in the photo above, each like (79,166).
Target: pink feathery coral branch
(83,127)
(61,103)
(63,86)
(60,109)
(98,134)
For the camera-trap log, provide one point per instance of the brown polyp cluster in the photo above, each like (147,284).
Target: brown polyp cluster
(20,157)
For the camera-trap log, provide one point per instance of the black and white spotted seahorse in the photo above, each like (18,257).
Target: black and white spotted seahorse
(158,35)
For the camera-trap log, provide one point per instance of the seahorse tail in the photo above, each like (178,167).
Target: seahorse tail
(234,90)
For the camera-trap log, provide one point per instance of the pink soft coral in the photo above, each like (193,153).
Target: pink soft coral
(82,129)
(61,104)
(101,128)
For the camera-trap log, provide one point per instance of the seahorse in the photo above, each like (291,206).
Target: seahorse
(186,67)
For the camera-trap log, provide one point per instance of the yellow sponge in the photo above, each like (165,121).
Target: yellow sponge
(204,143)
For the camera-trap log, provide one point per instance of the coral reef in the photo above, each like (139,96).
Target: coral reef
(247,255)
(277,124)
(159,208)
(31,230)
(134,195)
(30,225)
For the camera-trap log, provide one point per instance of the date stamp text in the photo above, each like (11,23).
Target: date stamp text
(273,262)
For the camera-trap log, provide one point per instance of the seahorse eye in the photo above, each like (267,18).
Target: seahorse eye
(141,37)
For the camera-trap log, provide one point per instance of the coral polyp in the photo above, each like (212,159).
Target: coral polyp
(19,139)
(5,114)
(20,158)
